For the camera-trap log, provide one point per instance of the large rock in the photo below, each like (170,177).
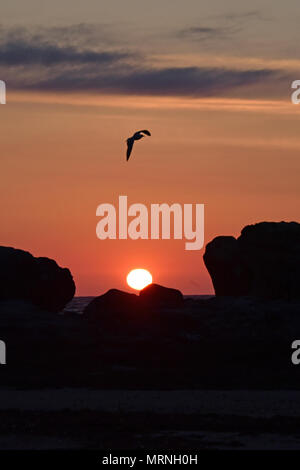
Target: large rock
(114,301)
(263,262)
(156,296)
(115,312)
(38,280)
(148,315)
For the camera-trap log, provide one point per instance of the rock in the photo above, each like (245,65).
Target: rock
(114,302)
(122,313)
(38,280)
(263,262)
(156,296)
(221,258)
(21,315)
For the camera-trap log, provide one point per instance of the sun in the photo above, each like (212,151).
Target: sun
(139,278)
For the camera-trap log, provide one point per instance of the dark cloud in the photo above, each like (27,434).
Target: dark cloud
(221,27)
(193,81)
(27,53)
(75,35)
(188,81)
(34,63)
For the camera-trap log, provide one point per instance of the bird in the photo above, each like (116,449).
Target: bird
(130,141)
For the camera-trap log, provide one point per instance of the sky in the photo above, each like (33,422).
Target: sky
(211,80)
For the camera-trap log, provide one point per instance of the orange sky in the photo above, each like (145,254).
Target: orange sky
(63,155)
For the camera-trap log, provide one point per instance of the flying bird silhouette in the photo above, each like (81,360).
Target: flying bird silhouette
(136,136)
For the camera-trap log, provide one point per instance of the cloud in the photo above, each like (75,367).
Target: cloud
(246,15)
(36,60)
(75,35)
(208,33)
(220,27)
(74,44)
(185,81)
(28,53)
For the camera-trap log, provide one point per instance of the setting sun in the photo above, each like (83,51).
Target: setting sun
(139,278)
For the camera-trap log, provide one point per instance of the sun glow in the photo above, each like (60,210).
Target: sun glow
(139,278)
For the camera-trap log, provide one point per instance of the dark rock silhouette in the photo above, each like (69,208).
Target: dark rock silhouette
(264,261)
(156,296)
(119,312)
(38,280)
(122,304)
(115,312)
(113,301)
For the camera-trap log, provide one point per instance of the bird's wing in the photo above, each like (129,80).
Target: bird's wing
(129,148)
(145,131)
